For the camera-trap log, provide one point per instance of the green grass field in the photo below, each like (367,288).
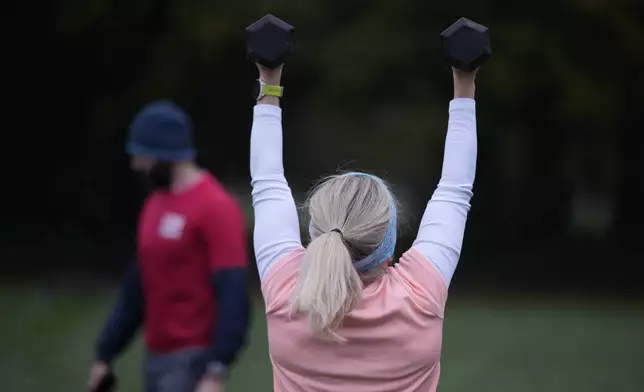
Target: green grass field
(490,345)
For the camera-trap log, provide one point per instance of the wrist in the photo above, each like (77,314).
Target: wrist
(105,365)
(273,80)
(216,371)
(101,358)
(464,91)
(268,93)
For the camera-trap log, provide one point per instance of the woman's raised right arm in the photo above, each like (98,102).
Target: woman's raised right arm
(277,228)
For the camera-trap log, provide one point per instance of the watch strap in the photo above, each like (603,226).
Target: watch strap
(269,90)
(273,91)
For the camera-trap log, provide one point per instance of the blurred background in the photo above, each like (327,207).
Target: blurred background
(548,295)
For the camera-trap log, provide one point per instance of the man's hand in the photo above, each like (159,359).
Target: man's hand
(464,86)
(210,384)
(97,372)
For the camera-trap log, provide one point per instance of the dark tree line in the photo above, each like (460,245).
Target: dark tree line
(559,185)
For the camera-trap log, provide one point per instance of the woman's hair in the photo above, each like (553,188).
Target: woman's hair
(351,217)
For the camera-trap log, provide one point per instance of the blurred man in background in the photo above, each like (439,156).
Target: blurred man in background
(188,287)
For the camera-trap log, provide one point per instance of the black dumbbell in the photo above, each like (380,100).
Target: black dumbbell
(269,41)
(466,45)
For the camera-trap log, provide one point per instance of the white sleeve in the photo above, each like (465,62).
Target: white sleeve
(440,236)
(277,229)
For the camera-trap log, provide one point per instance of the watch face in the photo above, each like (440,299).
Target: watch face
(256,90)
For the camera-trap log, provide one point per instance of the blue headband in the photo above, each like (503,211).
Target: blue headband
(386,248)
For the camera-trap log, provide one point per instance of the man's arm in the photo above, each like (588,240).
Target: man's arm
(125,320)
(233,305)
(224,232)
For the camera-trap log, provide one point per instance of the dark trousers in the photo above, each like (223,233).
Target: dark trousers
(176,372)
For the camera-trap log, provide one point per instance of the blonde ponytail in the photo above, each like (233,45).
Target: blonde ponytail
(329,287)
(353,231)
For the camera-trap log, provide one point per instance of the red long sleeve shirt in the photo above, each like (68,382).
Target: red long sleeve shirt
(183,238)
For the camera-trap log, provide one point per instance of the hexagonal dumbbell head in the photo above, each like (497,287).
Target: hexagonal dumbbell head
(466,45)
(269,41)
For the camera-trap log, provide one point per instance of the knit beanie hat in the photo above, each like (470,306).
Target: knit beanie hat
(162,130)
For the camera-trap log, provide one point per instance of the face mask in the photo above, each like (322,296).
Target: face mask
(160,175)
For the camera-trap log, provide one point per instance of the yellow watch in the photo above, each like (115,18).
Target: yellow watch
(264,90)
